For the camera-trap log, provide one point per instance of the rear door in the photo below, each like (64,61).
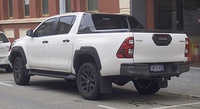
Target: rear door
(159,47)
(60,45)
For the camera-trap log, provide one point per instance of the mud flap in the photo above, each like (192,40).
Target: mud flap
(105,85)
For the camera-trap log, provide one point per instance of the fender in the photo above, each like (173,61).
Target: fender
(105,82)
(17,51)
(86,51)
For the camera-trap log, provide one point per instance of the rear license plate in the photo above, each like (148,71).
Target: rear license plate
(157,68)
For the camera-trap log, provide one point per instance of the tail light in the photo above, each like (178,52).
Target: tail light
(187,47)
(126,49)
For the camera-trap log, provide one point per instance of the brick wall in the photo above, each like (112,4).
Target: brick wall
(35,8)
(4,9)
(16,28)
(18,9)
(53,7)
(150,14)
(109,6)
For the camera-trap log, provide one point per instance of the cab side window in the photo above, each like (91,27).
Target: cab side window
(83,23)
(45,29)
(3,38)
(65,24)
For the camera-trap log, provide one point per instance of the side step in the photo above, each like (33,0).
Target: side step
(67,76)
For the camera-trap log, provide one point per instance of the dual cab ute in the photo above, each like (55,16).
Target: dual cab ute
(96,50)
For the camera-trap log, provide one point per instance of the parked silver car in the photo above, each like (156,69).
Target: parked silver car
(4,52)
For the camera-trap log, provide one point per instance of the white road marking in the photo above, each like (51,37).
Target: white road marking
(5,84)
(107,107)
(174,106)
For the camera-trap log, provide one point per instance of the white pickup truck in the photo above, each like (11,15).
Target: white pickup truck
(96,50)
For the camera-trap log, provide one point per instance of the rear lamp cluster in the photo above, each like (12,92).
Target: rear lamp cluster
(126,49)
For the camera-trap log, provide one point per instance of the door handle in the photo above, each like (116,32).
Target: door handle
(44,42)
(66,40)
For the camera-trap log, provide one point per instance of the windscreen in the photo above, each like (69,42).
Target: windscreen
(103,21)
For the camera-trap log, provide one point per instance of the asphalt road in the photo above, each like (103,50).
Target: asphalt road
(51,93)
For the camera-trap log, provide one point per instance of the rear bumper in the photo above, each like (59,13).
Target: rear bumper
(143,71)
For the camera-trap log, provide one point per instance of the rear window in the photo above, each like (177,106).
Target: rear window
(102,22)
(3,38)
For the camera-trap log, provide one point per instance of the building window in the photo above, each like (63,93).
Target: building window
(9,32)
(165,14)
(10,9)
(191,5)
(26,8)
(65,6)
(68,5)
(92,5)
(22,31)
(191,26)
(45,7)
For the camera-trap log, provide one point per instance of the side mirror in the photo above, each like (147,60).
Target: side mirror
(29,33)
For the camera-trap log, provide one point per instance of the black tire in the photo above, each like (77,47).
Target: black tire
(146,86)
(88,82)
(9,69)
(19,72)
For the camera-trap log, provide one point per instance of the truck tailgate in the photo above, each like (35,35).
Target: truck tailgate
(159,47)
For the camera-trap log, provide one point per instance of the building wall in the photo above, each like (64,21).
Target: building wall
(16,26)
(35,12)
(19,23)
(109,6)
(138,10)
(124,6)
(4,9)
(16,29)
(18,12)
(150,14)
